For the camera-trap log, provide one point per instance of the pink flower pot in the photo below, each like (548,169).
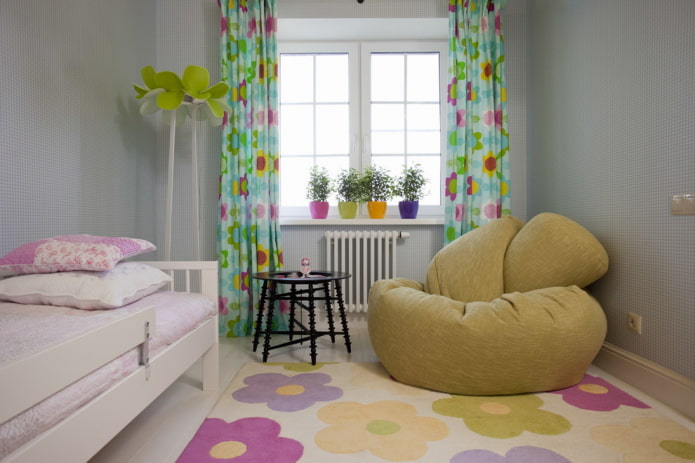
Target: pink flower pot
(318,209)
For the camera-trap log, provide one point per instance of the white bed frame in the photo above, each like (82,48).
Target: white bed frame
(84,433)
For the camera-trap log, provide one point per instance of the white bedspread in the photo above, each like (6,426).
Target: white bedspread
(27,329)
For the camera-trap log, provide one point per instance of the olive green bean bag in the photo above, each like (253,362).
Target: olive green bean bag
(502,311)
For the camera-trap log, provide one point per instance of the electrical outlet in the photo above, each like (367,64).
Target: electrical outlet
(634,322)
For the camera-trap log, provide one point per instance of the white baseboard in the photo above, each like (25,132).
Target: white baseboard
(666,386)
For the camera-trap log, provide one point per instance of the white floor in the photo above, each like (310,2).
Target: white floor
(159,434)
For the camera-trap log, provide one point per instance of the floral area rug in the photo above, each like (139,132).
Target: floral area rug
(354,412)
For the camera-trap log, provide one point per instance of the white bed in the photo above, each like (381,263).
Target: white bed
(78,437)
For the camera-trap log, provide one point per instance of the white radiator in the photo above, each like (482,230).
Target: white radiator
(367,255)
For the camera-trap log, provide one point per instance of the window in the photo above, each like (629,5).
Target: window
(348,104)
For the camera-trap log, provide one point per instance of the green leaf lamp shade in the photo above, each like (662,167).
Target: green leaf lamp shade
(166,90)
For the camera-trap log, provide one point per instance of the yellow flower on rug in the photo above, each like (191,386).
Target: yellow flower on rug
(648,440)
(388,429)
(503,417)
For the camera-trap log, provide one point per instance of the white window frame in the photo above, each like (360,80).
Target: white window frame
(360,122)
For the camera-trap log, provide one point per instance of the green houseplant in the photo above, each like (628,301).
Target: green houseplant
(317,192)
(378,187)
(411,188)
(348,189)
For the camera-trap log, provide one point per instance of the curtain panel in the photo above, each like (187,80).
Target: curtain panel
(477,187)
(248,234)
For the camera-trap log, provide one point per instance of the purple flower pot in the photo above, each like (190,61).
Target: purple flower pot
(408,209)
(318,209)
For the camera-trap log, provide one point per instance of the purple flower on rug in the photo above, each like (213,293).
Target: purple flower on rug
(247,440)
(594,393)
(287,393)
(523,454)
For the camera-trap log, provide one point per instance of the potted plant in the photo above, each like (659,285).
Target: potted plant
(411,188)
(378,187)
(348,189)
(317,192)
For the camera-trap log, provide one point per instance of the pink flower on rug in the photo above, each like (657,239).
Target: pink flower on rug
(248,440)
(388,429)
(523,454)
(594,393)
(287,393)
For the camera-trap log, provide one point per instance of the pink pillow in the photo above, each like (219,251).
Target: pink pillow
(71,252)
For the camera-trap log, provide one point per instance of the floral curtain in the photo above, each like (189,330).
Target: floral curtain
(477,159)
(248,231)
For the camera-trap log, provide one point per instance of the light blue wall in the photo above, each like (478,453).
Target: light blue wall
(611,138)
(75,156)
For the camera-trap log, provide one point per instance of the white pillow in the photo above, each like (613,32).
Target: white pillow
(127,282)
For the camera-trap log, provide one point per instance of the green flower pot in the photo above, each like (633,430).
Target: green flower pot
(347,209)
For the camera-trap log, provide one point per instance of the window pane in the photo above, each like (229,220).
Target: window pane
(332,78)
(388,78)
(388,142)
(388,117)
(393,164)
(294,176)
(431,168)
(296,130)
(424,142)
(423,117)
(332,129)
(423,77)
(297,78)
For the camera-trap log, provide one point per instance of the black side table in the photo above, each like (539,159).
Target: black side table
(303,292)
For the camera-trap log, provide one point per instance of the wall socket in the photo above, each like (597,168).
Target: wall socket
(683,204)
(634,322)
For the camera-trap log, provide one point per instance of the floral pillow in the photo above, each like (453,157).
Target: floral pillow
(127,282)
(71,252)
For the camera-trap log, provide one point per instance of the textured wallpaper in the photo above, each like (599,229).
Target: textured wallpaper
(611,106)
(75,156)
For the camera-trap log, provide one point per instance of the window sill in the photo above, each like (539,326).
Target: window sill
(362,221)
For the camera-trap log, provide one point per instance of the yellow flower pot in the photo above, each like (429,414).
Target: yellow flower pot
(376,209)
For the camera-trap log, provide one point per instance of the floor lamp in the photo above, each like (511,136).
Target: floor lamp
(187,95)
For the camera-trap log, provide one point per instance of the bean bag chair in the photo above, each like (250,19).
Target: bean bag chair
(503,310)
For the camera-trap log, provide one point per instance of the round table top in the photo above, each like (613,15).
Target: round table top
(296,277)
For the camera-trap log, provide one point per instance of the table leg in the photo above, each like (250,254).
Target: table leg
(269,323)
(312,324)
(259,316)
(343,318)
(329,311)
(293,298)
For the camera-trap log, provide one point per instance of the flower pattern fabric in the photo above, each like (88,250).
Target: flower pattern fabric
(594,393)
(503,417)
(477,160)
(248,440)
(525,454)
(388,429)
(248,230)
(648,440)
(287,393)
(352,412)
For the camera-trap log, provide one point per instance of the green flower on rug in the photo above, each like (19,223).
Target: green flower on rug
(503,417)
(287,393)
(648,440)
(388,429)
